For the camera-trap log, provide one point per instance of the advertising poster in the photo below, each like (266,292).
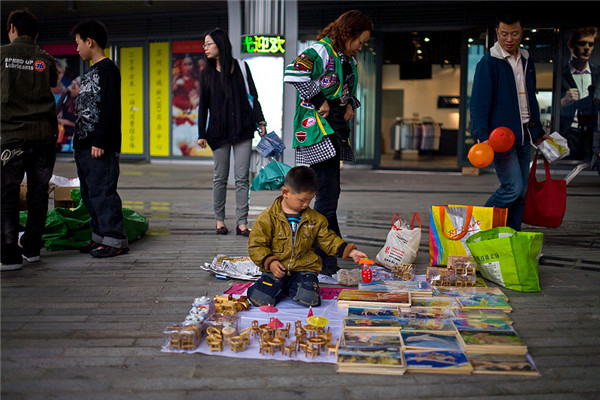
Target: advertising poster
(188,62)
(132,100)
(160,79)
(65,92)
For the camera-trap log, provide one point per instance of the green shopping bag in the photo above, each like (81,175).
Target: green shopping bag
(69,228)
(507,257)
(271,176)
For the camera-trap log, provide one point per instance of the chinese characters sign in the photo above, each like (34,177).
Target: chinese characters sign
(160,86)
(263,44)
(132,100)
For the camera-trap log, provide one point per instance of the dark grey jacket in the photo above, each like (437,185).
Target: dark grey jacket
(28,106)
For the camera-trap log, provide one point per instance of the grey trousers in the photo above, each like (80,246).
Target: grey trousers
(241,157)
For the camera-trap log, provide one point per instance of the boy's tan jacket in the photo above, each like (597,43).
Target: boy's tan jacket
(271,239)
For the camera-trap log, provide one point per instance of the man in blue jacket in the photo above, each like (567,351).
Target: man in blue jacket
(504,95)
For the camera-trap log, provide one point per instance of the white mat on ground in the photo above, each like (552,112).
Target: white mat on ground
(290,312)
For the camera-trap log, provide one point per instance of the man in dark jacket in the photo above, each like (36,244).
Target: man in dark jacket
(29,132)
(577,76)
(504,95)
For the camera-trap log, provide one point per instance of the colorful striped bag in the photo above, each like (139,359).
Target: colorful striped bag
(451,225)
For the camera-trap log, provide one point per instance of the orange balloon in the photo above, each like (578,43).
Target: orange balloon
(501,139)
(481,155)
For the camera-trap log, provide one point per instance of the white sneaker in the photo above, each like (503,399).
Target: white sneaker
(10,267)
(31,259)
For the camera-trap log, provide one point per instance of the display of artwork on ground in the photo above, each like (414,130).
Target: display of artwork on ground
(409,328)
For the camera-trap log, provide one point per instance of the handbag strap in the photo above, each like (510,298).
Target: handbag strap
(412,224)
(393,219)
(242,65)
(465,227)
(534,167)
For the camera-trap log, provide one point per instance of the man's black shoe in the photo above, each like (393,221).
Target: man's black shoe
(108,251)
(89,246)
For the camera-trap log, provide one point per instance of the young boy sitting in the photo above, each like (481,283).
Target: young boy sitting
(282,243)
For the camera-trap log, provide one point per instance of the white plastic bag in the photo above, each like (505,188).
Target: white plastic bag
(555,148)
(402,243)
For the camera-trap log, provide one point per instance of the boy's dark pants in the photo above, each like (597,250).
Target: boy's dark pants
(37,159)
(98,179)
(302,287)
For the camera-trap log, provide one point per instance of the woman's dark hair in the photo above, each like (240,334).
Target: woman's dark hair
(221,40)
(24,21)
(349,25)
(302,179)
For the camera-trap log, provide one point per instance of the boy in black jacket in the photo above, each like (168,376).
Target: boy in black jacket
(97,142)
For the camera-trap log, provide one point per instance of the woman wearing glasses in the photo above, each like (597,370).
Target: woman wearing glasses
(228,117)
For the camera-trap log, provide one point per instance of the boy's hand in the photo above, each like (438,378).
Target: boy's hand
(357,255)
(97,152)
(277,269)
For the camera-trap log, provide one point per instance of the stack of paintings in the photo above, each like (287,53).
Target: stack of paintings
(454,330)
(371,353)
(349,297)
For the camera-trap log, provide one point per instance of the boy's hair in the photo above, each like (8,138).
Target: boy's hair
(302,179)
(92,29)
(24,21)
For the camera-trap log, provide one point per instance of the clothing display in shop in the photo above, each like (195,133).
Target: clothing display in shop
(415,134)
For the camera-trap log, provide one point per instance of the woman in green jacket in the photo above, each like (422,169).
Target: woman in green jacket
(325,77)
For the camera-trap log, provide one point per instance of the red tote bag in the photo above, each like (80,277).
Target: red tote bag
(546,201)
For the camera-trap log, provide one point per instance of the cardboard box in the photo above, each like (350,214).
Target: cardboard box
(62,196)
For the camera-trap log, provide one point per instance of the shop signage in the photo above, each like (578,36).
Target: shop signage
(263,44)
(132,99)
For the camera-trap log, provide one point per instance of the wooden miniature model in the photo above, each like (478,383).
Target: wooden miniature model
(230,305)
(184,337)
(265,347)
(285,331)
(215,343)
(334,348)
(403,271)
(326,336)
(237,343)
(255,328)
(311,350)
(291,348)
(228,332)
(245,335)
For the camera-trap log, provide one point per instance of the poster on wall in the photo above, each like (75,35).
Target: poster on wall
(160,79)
(188,62)
(66,92)
(580,93)
(132,99)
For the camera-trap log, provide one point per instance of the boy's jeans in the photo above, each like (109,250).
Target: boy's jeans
(512,168)
(37,160)
(98,179)
(303,288)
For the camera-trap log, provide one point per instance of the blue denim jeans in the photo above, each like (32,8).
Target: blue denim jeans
(512,169)
(98,180)
(302,287)
(37,160)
